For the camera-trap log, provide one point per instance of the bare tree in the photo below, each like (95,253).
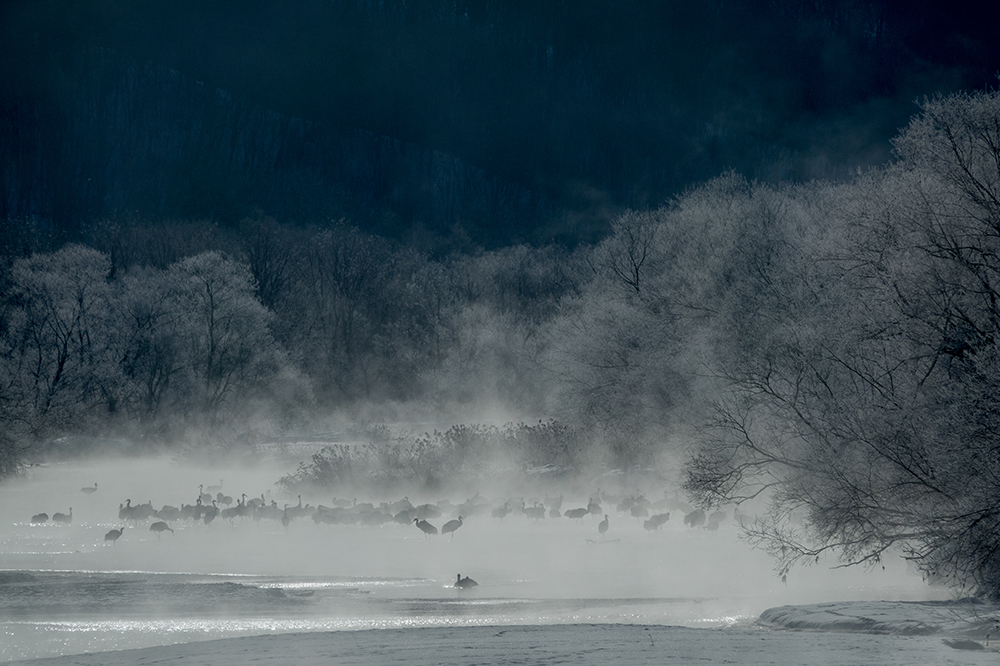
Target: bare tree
(224,332)
(630,251)
(148,349)
(269,256)
(867,414)
(56,327)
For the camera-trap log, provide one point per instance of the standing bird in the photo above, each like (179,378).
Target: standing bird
(603,527)
(425,527)
(451,526)
(718,516)
(39,518)
(210,513)
(157,527)
(639,511)
(203,496)
(88,490)
(66,519)
(113,535)
(695,519)
(655,521)
(536,512)
(465,583)
(297,511)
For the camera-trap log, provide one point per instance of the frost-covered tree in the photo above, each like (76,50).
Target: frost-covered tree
(630,351)
(496,307)
(56,367)
(339,302)
(222,330)
(148,348)
(865,409)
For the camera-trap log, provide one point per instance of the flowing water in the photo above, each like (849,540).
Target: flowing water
(65,590)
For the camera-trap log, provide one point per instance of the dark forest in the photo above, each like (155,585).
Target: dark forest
(452,125)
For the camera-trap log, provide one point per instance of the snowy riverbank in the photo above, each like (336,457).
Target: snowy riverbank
(873,633)
(964,623)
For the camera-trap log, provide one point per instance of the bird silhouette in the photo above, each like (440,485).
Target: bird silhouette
(625,505)
(88,490)
(594,504)
(655,521)
(158,527)
(425,527)
(39,518)
(638,511)
(113,535)
(536,512)
(603,527)
(500,511)
(451,526)
(695,519)
(465,583)
(297,511)
(232,512)
(210,513)
(64,518)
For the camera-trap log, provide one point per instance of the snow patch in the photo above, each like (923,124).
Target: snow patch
(962,620)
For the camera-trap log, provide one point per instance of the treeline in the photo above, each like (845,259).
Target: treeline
(829,350)
(503,120)
(158,330)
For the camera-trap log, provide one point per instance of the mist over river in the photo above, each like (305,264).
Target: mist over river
(64,589)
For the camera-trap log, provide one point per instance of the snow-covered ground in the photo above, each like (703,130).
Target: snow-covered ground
(587,645)
(964,620)
(551,591)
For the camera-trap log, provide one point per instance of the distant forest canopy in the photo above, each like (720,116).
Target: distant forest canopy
(451,124)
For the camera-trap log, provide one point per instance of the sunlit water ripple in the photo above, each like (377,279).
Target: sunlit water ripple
(64,612)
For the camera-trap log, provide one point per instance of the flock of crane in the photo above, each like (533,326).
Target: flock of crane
(212,504)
